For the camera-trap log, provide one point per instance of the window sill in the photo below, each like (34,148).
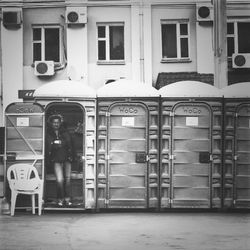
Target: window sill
(118,62)
(56,64)
(175,60)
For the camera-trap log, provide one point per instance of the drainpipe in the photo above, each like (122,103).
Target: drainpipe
(142,73)
(220,43)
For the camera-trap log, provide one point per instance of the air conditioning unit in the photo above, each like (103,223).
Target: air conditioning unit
(76,15)
(12,19)
(44,68)
(204,13)
(241,60)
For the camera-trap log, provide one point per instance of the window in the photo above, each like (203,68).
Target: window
(110,42)
(46,44)
(238,37)
(175,39)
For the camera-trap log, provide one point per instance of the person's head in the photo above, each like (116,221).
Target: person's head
(55,121)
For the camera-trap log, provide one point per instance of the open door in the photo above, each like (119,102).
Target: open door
(24,138)
(74,121)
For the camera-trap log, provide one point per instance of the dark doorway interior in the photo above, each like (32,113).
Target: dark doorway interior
(73,121)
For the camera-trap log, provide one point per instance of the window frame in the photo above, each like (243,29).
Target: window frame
(235,22)
(177,23)
(42,41)
(107,42)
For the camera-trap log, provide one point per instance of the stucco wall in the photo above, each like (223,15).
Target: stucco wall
(38,16)
(164,13)
(98,74)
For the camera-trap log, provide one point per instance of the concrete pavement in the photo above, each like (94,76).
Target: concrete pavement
(125,231)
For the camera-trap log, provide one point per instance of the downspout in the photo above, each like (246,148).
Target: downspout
(220,43)
(1,72)
(141,17)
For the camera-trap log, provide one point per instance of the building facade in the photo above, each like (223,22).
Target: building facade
(155,41)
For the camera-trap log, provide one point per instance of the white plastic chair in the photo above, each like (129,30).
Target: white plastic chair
(24,179)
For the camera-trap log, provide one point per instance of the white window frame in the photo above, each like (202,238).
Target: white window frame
(107,43)
(178,39)
(235,35)
(42,41)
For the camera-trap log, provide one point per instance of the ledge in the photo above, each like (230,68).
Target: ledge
(175,60)
(114,62)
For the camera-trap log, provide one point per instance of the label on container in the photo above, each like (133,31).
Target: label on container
(192,121)
(128,121)
(22,121)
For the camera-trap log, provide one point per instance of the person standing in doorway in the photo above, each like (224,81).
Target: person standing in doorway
(59,153)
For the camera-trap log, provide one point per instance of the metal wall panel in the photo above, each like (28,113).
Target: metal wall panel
(191,189)
(24,140)
(191,153)
(127,153)
(237,154)
(124,190)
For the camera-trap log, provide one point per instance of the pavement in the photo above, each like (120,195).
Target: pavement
(125,231)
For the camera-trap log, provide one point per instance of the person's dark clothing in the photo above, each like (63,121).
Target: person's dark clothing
(59,148)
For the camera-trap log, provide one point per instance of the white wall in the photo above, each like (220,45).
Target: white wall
(38,16)
(204,43)
(12,61)
(98,74)
(172,12)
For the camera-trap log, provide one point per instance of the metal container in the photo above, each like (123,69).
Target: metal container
(26,125)
(127,145)
(237,146)
(191,145)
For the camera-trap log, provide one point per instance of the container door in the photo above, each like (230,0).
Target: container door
(191,149)
(242,158)
(127,156)
(24,139)
(74,122)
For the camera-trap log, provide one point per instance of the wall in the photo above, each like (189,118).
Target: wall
(38,16)
(172,12)
(98,74)
(12,61)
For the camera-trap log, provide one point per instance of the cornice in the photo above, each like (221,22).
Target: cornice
(233,4)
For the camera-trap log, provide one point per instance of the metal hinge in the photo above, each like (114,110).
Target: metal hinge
(171,113)
(106,201)
(147,158)
(170,201)
(211,158)
(171,157)
(235,157)
(107,114)
(236,115)
(107,157)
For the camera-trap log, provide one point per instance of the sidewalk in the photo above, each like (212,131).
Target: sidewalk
(125,231)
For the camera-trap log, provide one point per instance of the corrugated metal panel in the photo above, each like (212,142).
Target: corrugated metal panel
(242,150)
(123,151)
(130,137)
(191,152)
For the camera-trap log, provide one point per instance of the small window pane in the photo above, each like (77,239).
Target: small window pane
(37,34)
(116,34)
(183,29)
(184,47)
(230,46)
(101,50)
(37,52)
(230,28)
(244,37)
(101,32)
(169,41)
(52,44)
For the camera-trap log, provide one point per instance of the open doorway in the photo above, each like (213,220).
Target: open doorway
(72,121)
